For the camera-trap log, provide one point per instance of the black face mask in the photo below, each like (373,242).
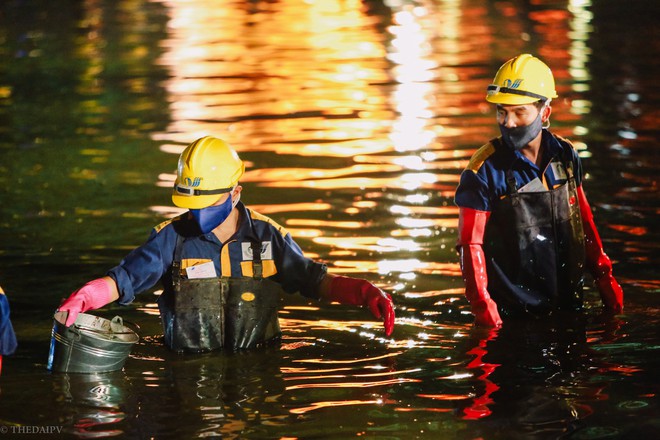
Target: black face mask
(519,137)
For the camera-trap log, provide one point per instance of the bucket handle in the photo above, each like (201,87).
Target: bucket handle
(116,323)
(101,332)
(75,329)
(118,320)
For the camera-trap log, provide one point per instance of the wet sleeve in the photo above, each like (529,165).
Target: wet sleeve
(142,268)
(7,335)
(295,272)
(472,192)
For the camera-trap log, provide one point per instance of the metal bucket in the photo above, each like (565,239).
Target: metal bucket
(90,345)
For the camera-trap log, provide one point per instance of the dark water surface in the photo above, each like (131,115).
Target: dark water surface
(355,119)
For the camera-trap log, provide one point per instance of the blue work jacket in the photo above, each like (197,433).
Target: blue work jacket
(282,259)
(484,182)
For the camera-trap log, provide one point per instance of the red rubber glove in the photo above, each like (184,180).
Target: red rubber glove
(92,295)
(360,292)
(471,227)
(598,262)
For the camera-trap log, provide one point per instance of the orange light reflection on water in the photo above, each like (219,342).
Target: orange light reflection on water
(414,71)
(371,330)
(344,384)
(291,207)
(320,374)
(292,176)
(326,404)
(319,80)
(267,56)
(348,361)
(408,265)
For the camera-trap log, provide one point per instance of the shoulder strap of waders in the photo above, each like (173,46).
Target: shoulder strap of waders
(511,182)
(569,170)
(255,245)
(257,266)
(566,159)
(176,261)
(569,175)
(510,178)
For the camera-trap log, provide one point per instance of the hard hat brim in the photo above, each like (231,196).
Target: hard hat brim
(510,99)
(195,202)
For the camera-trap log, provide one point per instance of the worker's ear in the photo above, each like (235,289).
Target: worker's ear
(545,113)
(236,192)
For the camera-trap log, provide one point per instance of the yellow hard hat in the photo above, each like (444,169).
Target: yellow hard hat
(207,168)
(522,80)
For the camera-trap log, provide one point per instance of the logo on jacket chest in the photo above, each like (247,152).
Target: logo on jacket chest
(558,171)
(266,251)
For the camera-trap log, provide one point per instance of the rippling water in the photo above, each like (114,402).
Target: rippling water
(356,119)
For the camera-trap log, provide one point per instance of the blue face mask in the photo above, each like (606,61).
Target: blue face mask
(211,217)
(519,137)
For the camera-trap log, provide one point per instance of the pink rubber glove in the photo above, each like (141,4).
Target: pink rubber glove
(92,295)
(360,292)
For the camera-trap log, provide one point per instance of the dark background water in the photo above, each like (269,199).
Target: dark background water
(355,119)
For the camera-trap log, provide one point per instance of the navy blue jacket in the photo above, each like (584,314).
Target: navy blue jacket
(283,260)
(484,181)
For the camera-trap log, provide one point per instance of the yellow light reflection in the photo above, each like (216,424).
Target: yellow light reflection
(450,211)
(295,58)
(374,244)
(417,222)
(579,50)
(348,361)
(424,181)
(305,308)
(379,383)
(328,404)
(290,325)
(326,223)
(432,293)
(288,176)
(400,245)
(167,211)
(420,232)
(291,207)
(314,81)
(434,410)
(444,396)
(457,376)
(320,374)
(410,51)
(385,267)
(302,370)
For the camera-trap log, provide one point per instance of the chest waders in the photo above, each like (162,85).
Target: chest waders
(226,312)
(534,246)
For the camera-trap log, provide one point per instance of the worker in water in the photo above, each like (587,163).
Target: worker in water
(222,265)
(526,230)
(7,336)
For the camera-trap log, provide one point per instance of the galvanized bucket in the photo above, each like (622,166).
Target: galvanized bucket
(90,345)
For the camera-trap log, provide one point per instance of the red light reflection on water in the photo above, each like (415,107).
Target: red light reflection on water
(479,407)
